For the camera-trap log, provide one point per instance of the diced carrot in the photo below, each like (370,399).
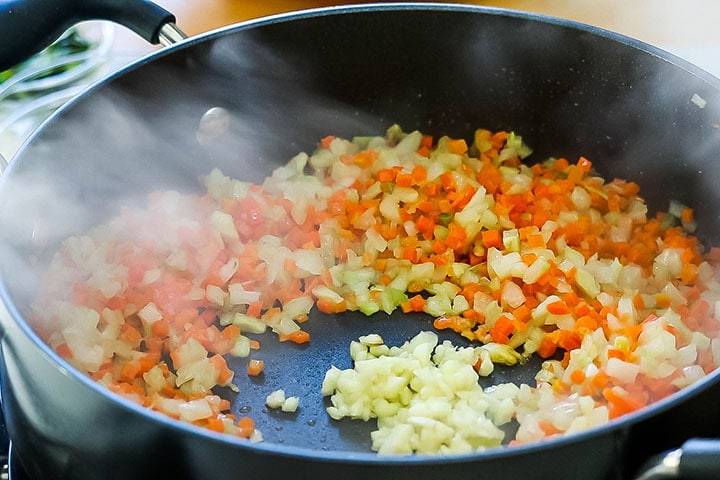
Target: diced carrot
(536,240)
(215,424)
(688,273)
(621,404)
(577,376)
(584,164)
(547,347)
(327,306)
(502,329)
(364,159)
(129,371)
(419,174)
(432,189)
(160,328)
(549,429)
(586,323)
(131,334)
(662,300)
(246,426)
(404,180)
(448,181)
(457,237)
(224,373)
(457,146)
(638,301)
(558,308)
(231,332)
(453,322)
(601,379)
(64,351)
(687,215)
(254,309)
(290,266)
(491,238)
(522,313)
(326,141)
(414,304)
(255,367)
(529,258)
(425,225)
(298,336)
(386,175)
(561,164)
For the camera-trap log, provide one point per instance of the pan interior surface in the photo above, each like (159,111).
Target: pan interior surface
(568,90)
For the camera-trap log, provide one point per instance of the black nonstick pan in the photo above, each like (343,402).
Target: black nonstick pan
(286,82)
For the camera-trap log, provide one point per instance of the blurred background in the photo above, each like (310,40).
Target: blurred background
(30,92)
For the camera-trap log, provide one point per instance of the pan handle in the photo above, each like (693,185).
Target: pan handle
(697,459)
(28,26)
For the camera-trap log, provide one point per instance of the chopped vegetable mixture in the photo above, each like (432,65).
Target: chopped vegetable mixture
(546,259)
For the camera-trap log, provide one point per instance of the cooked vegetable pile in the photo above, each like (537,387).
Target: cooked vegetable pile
(547,260)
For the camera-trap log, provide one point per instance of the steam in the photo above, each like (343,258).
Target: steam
(155,130)
(247,103)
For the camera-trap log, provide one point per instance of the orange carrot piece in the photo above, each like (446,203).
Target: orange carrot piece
(255,367)
(621,404)
(215,424)
(404,180)
(246,426)
(558,308)
(326,141)
(502,329)
(64,351)
(457,146)
(298,336)
(491,238)
(224,373)
(577,376)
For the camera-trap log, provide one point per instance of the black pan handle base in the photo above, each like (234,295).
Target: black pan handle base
(697,459)
(28,26)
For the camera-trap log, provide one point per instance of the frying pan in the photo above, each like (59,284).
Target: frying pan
(287,81)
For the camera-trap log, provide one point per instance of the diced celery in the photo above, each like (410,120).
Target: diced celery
(248,324)
(511,240)
(504,266)
(438,305)
(446,289)
(587,283)
(391,298)
(473,211)
(460,304)
(241,347)
(409,143)
(239,296)
(440,232)
(368,307)
(535,270)
(322,291)
(322,159)
(500,353)
(363,275)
